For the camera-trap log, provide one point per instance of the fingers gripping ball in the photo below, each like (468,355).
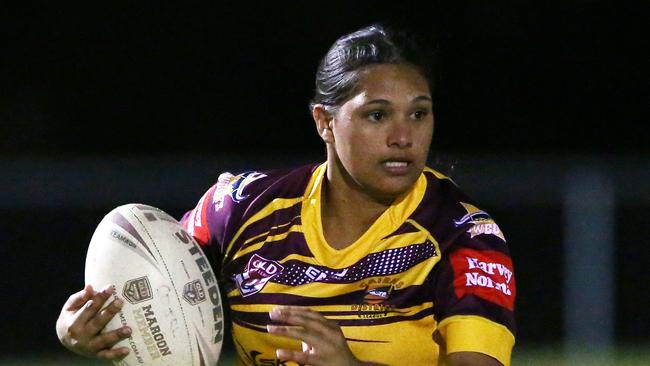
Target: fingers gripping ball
(167,291)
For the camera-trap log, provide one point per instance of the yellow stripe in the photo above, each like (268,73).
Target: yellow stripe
(477,334)
(249,240)
(301,258)
(436,173)
(429,236)
(415,275)
(276,204)
(407,342)
(256,237)
(388,222)
(252,248)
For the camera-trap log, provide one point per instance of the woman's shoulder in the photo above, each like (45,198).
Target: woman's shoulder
(444,197)
(246,190)
(275,183)
(449,210)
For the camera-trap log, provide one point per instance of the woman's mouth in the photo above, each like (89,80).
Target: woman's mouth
(396,167)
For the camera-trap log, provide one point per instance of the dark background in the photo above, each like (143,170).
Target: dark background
(518,78)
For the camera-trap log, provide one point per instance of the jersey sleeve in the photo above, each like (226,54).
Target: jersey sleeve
(218,214)
(206,221)
(474,289)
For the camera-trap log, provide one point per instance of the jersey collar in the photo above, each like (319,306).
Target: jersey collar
(389,221)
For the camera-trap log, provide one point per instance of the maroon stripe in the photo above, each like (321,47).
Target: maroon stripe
(411,295)
(275,231)
(365,340)
(406,227)
(404,298)
(354,312)
(122,222)
(483,242)
(472,305)
(294,243)
(259,320)
(290,299)
(258,328)
(277,218)
(251,318)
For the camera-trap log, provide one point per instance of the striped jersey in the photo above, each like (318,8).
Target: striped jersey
(432,275)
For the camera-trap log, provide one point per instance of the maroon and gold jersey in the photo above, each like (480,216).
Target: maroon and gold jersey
(431,276)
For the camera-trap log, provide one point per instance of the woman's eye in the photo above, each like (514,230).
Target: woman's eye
(376,115)
(420,114)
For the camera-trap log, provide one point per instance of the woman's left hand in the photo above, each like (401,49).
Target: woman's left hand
(323,342)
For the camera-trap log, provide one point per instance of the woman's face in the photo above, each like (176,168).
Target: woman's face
(381,135)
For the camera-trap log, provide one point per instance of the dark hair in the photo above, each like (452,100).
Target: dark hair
(337,74)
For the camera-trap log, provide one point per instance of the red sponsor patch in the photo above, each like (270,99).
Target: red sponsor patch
(487,274)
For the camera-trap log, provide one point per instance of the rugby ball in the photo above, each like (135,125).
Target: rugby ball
(171,296)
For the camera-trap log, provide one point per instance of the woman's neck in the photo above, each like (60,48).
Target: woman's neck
(346,210)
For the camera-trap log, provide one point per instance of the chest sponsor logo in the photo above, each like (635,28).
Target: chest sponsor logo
(257,274)
(315,274)
(376,294)
(482,223)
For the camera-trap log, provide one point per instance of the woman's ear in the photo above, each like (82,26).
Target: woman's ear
(323,120)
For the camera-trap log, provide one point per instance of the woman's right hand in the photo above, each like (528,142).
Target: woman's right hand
(82,319)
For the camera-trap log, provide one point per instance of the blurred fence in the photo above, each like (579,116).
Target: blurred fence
(577,226)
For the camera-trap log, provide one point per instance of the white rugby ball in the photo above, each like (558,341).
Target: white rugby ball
(171,297)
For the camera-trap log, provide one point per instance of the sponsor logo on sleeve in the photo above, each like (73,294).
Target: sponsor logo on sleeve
(233,187)
(485,274)
(482,223)
(221,190)
(257,274)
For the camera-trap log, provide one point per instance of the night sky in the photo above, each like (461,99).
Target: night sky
(516,76)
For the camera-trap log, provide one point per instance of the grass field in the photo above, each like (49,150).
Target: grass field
(632,355)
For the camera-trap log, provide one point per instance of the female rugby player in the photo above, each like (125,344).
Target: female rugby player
(368,258)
